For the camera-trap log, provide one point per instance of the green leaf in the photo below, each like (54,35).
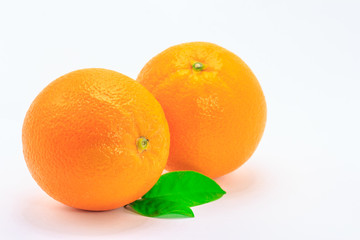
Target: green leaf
(188,188)
(153,207)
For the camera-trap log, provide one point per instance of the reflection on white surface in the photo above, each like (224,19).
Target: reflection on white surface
(46,214)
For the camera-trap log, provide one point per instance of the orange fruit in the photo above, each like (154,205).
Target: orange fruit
(95,139)
(214,105)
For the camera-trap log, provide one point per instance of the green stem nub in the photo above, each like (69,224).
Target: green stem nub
(142,144)
(198,66)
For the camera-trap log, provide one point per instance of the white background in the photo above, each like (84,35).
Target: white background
(302,182)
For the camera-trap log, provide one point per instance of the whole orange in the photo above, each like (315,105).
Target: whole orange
(214,105)
(95,139)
